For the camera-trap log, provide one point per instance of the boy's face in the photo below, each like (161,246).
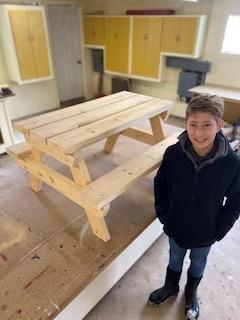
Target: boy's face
(202,128)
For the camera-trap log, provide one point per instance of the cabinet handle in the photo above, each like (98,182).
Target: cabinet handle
(93,33)
(145,37)
(178,37)
(116,35)
(30,37)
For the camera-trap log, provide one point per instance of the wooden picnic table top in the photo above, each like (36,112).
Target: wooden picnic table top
(70,129)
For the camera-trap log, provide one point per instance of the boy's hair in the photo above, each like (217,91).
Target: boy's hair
(206,103)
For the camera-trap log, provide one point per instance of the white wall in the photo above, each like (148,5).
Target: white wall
(30,98)
(225,69)
(120,6)
(3,75)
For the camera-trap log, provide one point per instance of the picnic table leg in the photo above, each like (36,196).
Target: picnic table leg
(157,125)
(80,173)
(35,183)
(95,217)
(110,143)
(164,115)
(98,224)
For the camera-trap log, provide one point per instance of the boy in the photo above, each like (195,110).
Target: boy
(195,176)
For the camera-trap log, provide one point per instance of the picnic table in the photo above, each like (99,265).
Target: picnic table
(64,133)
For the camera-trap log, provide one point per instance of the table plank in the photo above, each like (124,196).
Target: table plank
(76,139)
(34,122)
(47,131)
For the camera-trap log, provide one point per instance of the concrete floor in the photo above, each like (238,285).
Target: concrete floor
(219,291)
(57,243)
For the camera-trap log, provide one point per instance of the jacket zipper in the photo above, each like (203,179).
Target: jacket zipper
(195,184)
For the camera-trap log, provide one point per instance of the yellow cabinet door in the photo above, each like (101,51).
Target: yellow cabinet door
(170,35)
(23,46)
(94,30)
(146,44)
(117,44)
(188,30)
(179,34)
(30,43)
(39,43)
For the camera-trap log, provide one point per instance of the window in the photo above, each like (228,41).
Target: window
(231,40)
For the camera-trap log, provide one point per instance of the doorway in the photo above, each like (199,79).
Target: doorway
(66,40)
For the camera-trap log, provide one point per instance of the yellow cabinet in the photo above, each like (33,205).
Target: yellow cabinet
(117,44)
(180,35)
(146,46)
(94,30)
(25,43)
(136,46)
(30,43)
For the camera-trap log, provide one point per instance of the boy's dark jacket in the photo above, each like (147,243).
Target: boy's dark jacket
(189,199)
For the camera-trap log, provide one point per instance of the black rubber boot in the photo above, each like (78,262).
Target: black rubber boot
(191,306)
(169,289)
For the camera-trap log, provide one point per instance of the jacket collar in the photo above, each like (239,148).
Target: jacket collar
(222,149)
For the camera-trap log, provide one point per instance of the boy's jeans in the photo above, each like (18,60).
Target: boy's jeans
(198,257)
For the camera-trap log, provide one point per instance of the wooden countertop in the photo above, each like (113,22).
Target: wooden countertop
(227,93)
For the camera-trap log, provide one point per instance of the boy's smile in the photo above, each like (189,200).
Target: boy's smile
(202,128)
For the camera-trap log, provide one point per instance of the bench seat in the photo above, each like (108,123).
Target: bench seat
(102,191)
(20,150)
